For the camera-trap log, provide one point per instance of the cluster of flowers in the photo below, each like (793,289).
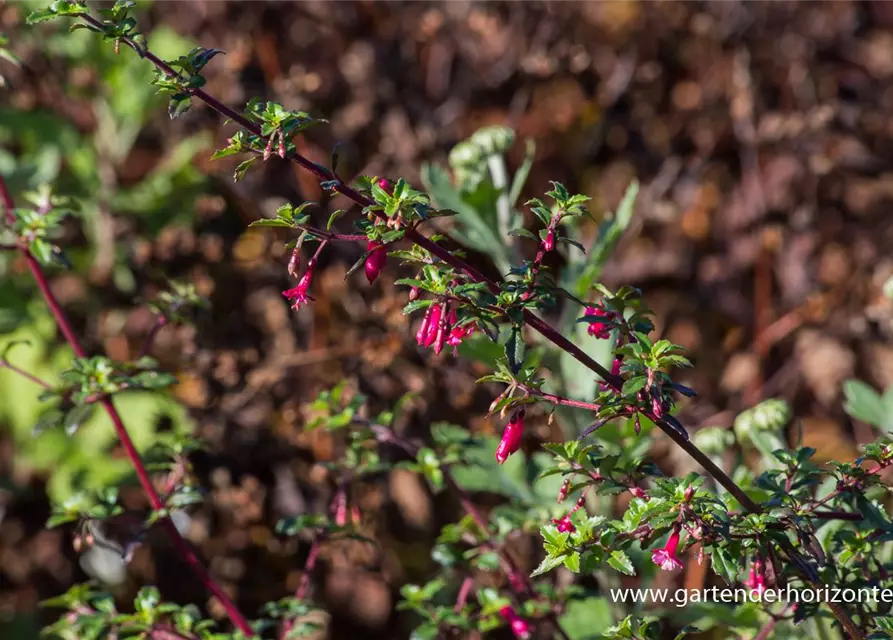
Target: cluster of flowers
(439,328)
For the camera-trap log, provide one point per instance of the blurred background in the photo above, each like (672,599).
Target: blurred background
(761,136)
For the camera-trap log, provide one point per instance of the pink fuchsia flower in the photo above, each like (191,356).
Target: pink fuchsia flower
(385,184)
(599,329)
(639,492)
(427,332)
(423,328)
(564,525)
(520,626)
(458,334)
(756,577)
(298,295)
(549,242)
(443,331)
(433,324)
(511,437)
(375,261)
(665,557)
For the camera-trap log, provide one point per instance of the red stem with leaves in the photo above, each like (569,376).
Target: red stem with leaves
(179,543)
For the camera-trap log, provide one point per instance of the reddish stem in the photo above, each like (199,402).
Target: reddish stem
(5,364)
(464,590)
(160,323)
(177,540)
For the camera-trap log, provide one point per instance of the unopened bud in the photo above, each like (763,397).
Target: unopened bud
(565,487)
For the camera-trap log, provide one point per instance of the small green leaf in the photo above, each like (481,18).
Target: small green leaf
(548,563)
(621,562)
(514,350)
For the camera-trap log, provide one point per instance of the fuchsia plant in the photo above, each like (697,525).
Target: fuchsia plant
(776,519)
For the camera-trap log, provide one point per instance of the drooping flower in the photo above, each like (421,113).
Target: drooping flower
(298,295)
(756,577)
(600,329)
(422,334)
(375,261)
(433,324)
(564,525)
(458,334)
(549,242)
(665,556)
(443,331)
(511,437)
(520,626)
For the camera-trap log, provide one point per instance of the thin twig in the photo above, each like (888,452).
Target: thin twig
(179,543)
(160,323)
(5,364)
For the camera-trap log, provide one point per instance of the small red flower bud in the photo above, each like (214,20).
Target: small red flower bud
(293,263)
(375,261)
(355,516)
(268,150)
(549,242)
(511,437)
(282,145)
(413,294)
(639,492)
(565,487)
(386,185)
(689,493)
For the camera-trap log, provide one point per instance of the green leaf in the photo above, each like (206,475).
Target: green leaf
(865,404)
(621,562)
(723,565)
(242,169)
(147,599)
(548,563)
(514,350)
(584,619)
(272,222)
(77,417)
